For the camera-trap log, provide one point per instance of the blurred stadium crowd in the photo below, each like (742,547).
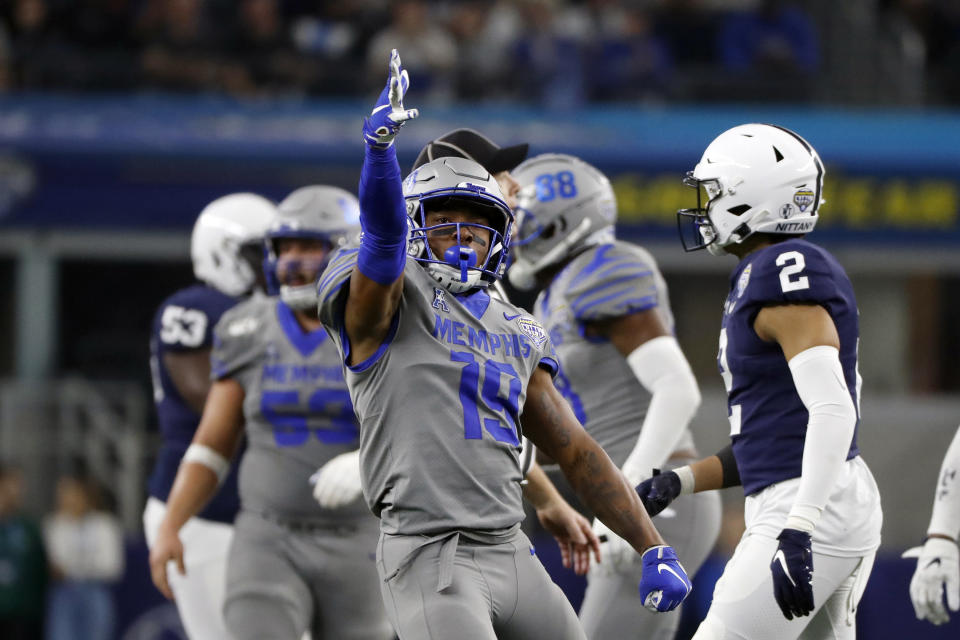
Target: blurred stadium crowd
(561,53)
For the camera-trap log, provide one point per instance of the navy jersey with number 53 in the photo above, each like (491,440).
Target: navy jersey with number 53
(768,421)
(184,323)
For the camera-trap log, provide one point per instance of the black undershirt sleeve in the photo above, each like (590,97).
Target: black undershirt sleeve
(731,475)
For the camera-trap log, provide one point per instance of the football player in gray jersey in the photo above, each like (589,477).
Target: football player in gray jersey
(571,530)
(295,565)
(443,377)
(605,306)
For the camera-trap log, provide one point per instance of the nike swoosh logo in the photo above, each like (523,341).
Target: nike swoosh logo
(506,317)
(935,561)
(665,567)
(779,557)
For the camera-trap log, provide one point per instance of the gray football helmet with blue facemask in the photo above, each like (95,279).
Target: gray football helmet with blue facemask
(328,214)
(564,206)
(457,184)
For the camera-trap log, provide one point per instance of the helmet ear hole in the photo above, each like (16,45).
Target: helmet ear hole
(741,232)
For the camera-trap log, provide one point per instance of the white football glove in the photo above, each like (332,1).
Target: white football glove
(337,483)
(938,570)
(388,115)
(618,555)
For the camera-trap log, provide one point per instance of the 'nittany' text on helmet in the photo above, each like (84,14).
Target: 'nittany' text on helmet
(226,240)
(565,205)
(327,214)
(457,183)
(754,178)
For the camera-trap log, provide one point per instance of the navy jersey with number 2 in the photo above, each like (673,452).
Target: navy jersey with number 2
(768,421)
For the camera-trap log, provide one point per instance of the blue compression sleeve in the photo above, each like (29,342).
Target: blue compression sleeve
(383,216)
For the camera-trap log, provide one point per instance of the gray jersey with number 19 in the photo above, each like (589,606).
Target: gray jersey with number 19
(447,460)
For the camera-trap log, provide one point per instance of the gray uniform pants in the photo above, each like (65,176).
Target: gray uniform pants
(282,581)
(448,586)
(612,607)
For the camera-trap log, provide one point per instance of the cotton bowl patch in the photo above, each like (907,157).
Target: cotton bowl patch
(533,330)
(803,198)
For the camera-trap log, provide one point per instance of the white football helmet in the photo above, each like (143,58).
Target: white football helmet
(457,183)
(317,212)
(564,206)
(226,242)
(754,178)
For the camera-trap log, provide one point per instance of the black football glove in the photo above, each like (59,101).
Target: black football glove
(659,491)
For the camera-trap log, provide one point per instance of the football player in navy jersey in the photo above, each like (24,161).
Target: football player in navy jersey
(226,251)
(938,568)
(788,358)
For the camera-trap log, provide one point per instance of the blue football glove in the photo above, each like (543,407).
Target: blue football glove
(664,583)
(792,568)
(388,116)
(659,491)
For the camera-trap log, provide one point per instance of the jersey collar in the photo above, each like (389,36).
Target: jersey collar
(476,301)
(306,342)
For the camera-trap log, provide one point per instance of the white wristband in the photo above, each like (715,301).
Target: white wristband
(208,457)
(803,517)
(687,481)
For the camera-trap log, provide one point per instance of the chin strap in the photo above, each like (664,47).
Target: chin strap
(449,277)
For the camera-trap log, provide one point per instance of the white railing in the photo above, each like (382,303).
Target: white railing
(47,427)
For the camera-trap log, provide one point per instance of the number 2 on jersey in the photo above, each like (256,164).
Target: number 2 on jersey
(490,394)
(792,263)
(727,376)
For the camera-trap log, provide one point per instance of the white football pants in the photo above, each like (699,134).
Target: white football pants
(844,546)
(744,607)
(199,594)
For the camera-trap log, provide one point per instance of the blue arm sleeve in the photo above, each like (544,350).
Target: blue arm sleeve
(383,216)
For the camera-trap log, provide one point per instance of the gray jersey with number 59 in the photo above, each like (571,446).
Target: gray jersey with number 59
(439,403)
(296,408)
